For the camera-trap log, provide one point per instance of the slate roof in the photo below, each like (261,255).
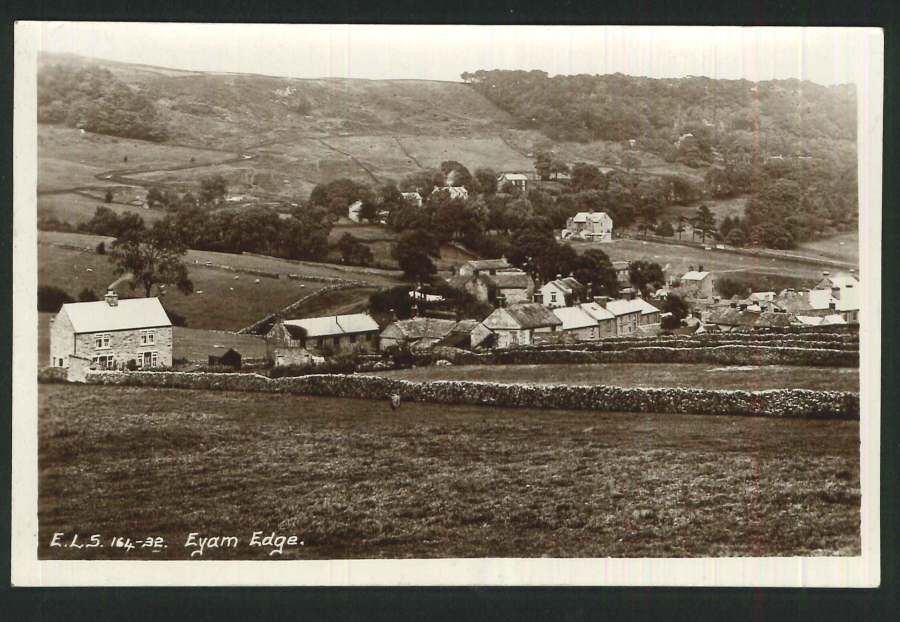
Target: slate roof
(513,176)
(130,314)
(533,315)
(694,275)
(573,318)
(423,328)
(624,307)
(332,325)
(646,307)
(597,312)
(590,216)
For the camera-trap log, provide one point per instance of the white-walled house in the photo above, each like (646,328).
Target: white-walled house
(596,226)
(110,333)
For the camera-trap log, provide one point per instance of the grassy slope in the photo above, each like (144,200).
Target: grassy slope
(354,480)
(227,303)
(680,258)
(641,375)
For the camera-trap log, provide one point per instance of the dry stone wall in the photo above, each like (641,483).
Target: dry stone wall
(774,403)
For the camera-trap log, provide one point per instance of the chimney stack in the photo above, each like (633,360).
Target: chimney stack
(601,300)
(826,273)
(700,269)
(112,299)
(690,268)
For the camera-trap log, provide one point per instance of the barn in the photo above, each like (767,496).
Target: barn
(225,358)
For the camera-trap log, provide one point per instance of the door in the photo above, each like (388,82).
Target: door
(148,359)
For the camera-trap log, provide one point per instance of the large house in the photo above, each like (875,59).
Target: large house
(698,284)
(597,226)
(518,180)
(293,341)
(111,333)
(565,292)
(627,314)
(515,325)
(650,315)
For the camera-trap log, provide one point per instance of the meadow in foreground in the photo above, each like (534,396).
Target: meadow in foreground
(353,479)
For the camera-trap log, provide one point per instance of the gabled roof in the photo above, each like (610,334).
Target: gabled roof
(421,328)
(624,307)
(526,315)
(129,314)
(567,285)
(332,325)
(573,318)
(513,176)
(646,307)
(694,275)
(597,312)
(591,216)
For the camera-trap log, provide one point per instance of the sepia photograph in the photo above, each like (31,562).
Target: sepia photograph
(334,304)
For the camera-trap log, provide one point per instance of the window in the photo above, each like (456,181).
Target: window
(368,336)
(321,342)
(101,341)
(552,296)
(352,338)
(337,342)
(148,337)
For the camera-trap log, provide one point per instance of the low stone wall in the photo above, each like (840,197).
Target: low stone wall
(775,403)
(52,374)
(719,355)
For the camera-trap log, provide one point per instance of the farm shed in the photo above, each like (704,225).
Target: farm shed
(225,357)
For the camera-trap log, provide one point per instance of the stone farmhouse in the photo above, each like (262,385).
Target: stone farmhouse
(111,333)
(606,321)
(698,284)
(627,314)
(423,333)
(293,342)
(597,226)
(516,325)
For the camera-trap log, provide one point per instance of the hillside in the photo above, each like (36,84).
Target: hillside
(275,139)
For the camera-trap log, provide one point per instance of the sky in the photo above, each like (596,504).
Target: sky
(823,55)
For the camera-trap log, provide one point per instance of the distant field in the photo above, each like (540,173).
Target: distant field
(641,375)
(352,479)
(195,344)
(473,152)
(76,208)
(68,158)
(680,258)
(844,247)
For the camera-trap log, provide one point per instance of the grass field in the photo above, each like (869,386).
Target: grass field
(352,479)
(680,258)
(68,158)
(219,301)
(643,375)
(843,247)
(76,208)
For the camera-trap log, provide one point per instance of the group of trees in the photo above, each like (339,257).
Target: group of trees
(798,118)
(95,100)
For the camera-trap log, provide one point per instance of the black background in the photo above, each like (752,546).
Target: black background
(569,604)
